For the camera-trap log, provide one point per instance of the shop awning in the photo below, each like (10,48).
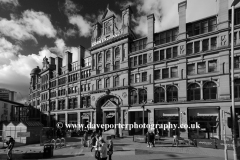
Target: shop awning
(136,109)
(110,115)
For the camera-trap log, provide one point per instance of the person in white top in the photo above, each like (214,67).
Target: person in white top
(103,150)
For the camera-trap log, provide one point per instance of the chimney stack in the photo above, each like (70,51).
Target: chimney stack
(182,19)
(68,60)
(151,30)
(58,62)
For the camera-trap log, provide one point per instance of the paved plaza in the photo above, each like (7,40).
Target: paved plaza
(125,148)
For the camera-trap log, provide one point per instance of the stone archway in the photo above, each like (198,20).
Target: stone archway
(108,111)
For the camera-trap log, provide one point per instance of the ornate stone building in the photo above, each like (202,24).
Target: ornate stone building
(179,76)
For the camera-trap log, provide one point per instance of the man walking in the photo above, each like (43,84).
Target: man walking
(10,144)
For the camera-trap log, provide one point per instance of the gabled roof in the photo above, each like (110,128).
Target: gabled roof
(107,13)
(32,123)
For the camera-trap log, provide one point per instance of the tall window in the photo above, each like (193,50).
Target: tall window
(212,24)
(144,76)
(99,69)
(107,27)
(172,94)
(159,95)
(156,56)
(214,43)
(191,69)
(135,61)
(189,48)
(161,55)
(108,67)
(140,60)
(174,72)
(99,57)
(201,67)
(108,56)
(212,66)
(137,78)
(132,78)
(236,62)
(116,81)
(175,52)
(144,58)
(99,84)
(194,92)
(237,88)
(117,52)
(210,90)
(117,65)
(205,27)
(165,73)
(205,45)
(197,47)
(142,96)
(157,74)
(131,62)
(169,53)
(107,82)
(133,97)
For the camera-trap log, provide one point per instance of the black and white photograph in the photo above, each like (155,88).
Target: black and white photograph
(120,79)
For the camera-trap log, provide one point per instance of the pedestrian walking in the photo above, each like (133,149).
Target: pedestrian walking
(148,138)
(93,141)
(10,144)
(152,139)
(103,150)
(110,149)
(85,139)
(175,140)
(96,146)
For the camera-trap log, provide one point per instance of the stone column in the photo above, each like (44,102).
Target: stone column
(66,118)
(183,120)
(120,128)
(201,90)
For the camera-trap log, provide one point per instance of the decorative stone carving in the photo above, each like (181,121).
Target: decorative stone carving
(182,49)
(93,98)
(150,56)
(124,94)
(223,40)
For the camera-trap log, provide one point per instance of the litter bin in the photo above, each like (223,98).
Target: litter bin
(48,150)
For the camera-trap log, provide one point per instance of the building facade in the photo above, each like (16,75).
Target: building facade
(178,76)
(7,94)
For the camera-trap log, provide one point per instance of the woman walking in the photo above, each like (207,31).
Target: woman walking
(103,150)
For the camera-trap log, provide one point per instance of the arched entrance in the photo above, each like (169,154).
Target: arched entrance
(108,113)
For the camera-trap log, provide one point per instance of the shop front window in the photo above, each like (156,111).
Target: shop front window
(208,121)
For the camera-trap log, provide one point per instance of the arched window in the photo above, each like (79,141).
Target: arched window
(172,94)
(117,65)
(107,82)
(133,97)
(210,90)
(99,84)
(116,81)
(194,92)
(159,95)
(142,96)
(108,56)
(117,52)
(99,57)
(237,88)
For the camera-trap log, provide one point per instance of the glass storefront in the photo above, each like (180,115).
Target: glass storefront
(208,120)
(136,117)
(167,116)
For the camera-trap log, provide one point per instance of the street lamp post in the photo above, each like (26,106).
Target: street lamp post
(235,2)
(143,106)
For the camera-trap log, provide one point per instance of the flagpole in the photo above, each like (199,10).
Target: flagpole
(232,81)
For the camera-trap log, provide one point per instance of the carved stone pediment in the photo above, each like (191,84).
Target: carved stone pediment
(109,104)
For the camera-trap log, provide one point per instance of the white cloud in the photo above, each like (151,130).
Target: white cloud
(59,48)
(11,2)
(8,51)
(24,28)
(83,25)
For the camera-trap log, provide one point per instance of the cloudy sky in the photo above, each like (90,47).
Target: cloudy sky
(33,29)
